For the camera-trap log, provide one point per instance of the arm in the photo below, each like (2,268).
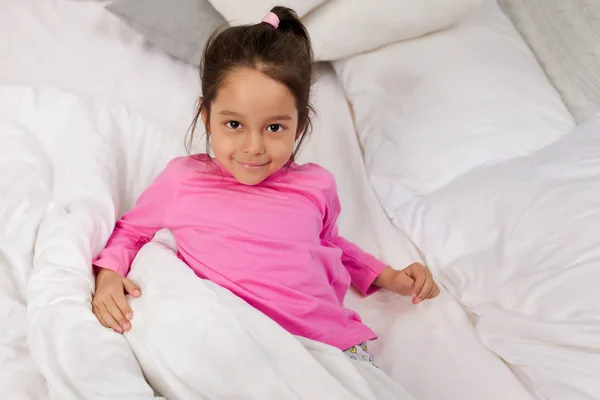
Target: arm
(368,273)
(364,269)
(138,226)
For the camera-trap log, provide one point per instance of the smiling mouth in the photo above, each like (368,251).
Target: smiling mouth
(251,165)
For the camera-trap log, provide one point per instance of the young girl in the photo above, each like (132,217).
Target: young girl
(250,219)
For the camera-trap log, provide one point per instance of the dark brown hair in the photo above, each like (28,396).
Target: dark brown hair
(283,53)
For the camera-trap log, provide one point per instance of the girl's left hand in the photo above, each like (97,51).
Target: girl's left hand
(415,280)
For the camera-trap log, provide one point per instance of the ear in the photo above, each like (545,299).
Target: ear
(204,115)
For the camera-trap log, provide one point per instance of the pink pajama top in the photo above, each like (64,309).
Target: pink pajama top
(275,245)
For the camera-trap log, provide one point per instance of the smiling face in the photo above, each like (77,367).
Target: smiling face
(253,125)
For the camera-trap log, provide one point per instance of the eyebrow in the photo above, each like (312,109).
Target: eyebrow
(273,118)
(232,113)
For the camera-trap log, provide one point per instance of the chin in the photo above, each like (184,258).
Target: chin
(249,180)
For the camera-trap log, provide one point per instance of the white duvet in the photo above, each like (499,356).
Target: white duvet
(195,339)
(518,244)
(59,212)
(64,169)
(88,115)
(475,157)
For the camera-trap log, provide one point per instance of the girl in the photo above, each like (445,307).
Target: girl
(250,219)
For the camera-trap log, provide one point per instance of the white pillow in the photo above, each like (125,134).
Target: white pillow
(430,109)
(518,243)
(252,11)
(341,28)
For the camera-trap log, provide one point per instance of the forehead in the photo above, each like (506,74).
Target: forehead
(251,92)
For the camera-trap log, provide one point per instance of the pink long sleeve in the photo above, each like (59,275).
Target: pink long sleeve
(138,226)
(275,245)
(362,266)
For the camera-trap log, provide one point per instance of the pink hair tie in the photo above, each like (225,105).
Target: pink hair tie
(272,19)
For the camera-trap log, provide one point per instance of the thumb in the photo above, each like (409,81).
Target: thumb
(404,284)
(131,288)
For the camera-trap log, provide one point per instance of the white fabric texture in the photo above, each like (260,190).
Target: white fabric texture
(75,209)
(81,156)
(430,109)
(88,115)
(73,224)
(518,244)
(244,354)
(341,28)
(565,37)
(252,11)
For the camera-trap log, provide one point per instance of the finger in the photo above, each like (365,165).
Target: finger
(116,312)
(435,290)
(429,287)
(123,305)
(109,319)
(96,312)
(424,292)
(131,288)
(428,294)
(414,268)
(403,284)
(420,278)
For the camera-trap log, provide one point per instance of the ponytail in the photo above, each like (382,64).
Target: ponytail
(289,22)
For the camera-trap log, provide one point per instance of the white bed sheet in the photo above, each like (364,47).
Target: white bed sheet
(79,78)
(491,186)
(524,258)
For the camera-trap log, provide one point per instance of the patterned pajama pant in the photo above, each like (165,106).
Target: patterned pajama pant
(360,352)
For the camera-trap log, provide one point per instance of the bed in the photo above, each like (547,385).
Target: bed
(83,131)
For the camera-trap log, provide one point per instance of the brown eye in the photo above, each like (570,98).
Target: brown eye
(233,124)
(275,128)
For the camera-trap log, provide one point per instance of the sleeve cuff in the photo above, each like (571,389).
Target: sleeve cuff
(109,263)
(365,284)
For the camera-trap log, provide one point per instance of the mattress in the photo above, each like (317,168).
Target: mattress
(89,113)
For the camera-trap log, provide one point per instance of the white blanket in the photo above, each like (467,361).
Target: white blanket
(518,243)
(88,115)
(79,358)
(195,339)
(62,205)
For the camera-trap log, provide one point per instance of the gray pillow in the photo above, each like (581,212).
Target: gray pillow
(178,27)
(565,37)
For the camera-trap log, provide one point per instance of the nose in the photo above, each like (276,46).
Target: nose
(254,144)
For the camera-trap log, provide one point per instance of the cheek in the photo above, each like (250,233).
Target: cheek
(221,143)
(283,148)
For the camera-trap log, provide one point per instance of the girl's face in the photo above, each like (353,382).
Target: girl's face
(253,125)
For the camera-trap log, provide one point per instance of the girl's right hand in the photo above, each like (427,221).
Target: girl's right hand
(110,304)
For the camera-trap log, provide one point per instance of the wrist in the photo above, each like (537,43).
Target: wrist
(385,278)
(105,273)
